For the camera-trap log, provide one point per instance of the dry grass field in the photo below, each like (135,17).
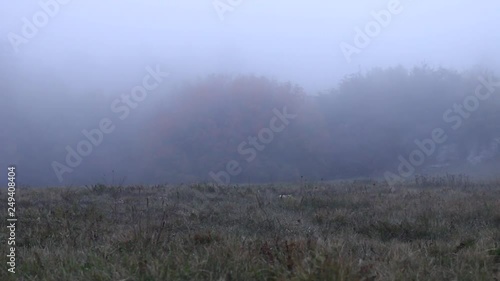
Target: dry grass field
(444,228)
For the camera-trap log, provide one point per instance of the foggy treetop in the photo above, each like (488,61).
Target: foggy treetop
(178,91)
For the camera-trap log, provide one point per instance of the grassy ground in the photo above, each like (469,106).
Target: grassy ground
(433,229)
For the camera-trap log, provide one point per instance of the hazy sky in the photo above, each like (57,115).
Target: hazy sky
(52,52)
(289,40)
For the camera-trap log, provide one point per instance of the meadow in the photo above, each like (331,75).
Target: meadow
(432,228)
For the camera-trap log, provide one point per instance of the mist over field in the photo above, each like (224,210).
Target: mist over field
(147,92)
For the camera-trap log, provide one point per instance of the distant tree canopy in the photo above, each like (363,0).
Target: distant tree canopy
(254,129)
(358,129)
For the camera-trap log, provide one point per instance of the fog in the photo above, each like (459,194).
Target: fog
(65,66)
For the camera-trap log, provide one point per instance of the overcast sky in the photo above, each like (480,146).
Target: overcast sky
(55,52)
(288,40)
